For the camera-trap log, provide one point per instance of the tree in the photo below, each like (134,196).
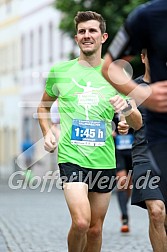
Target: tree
(113,11)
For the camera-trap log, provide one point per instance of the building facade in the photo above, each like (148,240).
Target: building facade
(30,43)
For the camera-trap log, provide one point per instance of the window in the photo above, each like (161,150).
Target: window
(22,51)
(26,128)
(50,42)
(40,45)
(31,48)
(8,5)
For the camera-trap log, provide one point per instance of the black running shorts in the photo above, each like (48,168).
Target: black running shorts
(146,184)
(101,181)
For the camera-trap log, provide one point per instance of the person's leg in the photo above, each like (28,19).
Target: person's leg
(99,203)
(123,194)
(158,159)
(157,233)
(124,164)
(76,195)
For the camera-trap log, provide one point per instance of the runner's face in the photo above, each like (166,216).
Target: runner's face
(89,37)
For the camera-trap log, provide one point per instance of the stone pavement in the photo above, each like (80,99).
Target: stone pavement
(34,221)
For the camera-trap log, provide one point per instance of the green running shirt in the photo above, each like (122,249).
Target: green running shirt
(85,114)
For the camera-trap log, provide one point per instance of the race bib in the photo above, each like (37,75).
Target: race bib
(124,142)
(88,132)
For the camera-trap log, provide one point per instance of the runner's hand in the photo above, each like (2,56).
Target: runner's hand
(157,101)
(123,128)
(50,143)
(118,103)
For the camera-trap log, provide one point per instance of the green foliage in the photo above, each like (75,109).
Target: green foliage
(113,11)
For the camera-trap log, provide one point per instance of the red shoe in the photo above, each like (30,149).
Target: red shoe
(125,226)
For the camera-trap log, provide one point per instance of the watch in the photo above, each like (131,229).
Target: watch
(127,109)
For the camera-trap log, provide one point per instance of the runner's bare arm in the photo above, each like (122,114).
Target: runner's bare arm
(43,117)
(148,96)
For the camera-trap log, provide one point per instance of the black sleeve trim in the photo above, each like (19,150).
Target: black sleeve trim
(119,43)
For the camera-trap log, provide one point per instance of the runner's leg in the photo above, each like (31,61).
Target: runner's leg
(157,214)
(99,203)
(76,194)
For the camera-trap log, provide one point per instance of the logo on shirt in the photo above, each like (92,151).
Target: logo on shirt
(89,97)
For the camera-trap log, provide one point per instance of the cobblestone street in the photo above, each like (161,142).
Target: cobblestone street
(34,221)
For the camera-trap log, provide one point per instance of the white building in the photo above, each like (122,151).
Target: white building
(30,43)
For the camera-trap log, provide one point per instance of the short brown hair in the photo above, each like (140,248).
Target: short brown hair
(83,16)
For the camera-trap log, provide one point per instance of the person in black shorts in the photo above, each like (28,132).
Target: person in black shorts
(86,151)
(147,195)
(146,27)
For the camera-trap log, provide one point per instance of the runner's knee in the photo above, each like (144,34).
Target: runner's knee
(156,211)
(95,232)
(81,225)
